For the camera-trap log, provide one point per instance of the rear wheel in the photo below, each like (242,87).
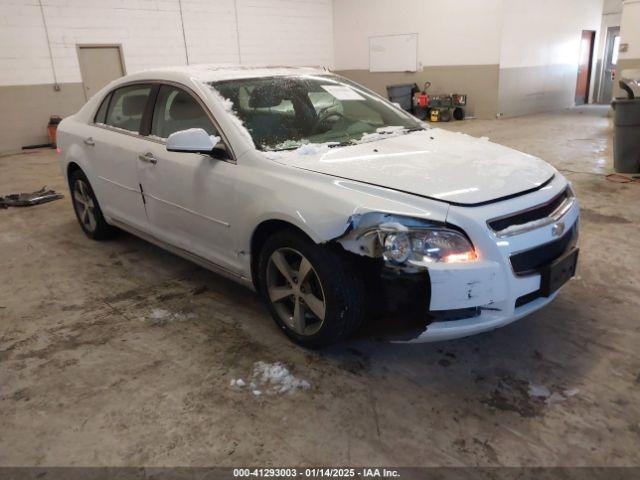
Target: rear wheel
(313,294)
(87,208)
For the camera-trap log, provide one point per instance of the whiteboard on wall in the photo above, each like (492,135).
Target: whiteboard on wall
(393,53)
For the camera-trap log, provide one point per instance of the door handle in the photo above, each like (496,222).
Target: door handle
(148,158)
(89,141)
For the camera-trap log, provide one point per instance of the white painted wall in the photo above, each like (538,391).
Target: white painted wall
(292,32)
(630,29)
(546,32)
(540,51)
(461,32)
(535,43)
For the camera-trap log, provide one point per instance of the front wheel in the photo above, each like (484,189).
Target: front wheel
(313,294)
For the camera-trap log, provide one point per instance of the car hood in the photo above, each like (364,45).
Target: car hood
(448,166)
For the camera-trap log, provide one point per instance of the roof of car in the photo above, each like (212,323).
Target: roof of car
(214,73)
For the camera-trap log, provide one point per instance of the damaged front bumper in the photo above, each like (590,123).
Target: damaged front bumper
(468,298)
(488,318)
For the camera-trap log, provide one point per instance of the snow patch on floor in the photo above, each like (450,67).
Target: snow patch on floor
(237,382)
(539,391)
(271,379)
(542,392)
(162,317)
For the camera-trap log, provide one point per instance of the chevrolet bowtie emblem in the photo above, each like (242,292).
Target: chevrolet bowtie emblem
(557,229)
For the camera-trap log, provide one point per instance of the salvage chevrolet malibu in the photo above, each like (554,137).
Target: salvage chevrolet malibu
(326,198)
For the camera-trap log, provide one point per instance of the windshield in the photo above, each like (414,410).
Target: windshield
(286,112)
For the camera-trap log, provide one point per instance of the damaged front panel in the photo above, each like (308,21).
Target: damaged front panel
(454,286)
(362,233)
(465,285)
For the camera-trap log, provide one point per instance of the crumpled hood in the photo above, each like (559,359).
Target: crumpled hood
(435,163)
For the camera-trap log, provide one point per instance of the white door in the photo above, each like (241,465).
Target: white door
(98,66)
(115,143)
(189,197)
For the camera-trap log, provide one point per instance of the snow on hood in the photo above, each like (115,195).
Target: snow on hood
(448,166)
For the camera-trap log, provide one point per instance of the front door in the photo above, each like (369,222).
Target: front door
(584,67)
(98,66)
(189,197)
(114,143)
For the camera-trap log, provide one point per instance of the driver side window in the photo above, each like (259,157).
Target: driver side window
(176,110)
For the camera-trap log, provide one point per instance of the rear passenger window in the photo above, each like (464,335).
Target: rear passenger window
(127,107)
(177,110)
(101,115)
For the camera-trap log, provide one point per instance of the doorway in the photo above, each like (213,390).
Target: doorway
(609,65)
(584,67)
(99,64)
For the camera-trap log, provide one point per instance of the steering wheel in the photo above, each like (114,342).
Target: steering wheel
(324,116)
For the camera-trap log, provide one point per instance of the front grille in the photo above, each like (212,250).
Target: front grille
(536,213)
(530,261)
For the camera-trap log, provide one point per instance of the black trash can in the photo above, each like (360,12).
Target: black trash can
(402,94)
(626,136)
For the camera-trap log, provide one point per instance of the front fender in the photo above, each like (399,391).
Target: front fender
(320,205)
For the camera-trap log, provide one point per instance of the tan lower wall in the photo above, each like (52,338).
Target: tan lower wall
(628,64)
(479,82)
(26,110)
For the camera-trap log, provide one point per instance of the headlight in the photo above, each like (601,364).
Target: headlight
(396,247)
(426,246)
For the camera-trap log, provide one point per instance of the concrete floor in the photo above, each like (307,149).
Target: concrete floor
(87,377)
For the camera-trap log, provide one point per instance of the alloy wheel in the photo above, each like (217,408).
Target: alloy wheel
(85,206)
(295,291)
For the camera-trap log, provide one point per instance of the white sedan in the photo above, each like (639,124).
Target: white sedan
(329,200)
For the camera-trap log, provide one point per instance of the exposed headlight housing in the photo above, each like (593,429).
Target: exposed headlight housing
(424,246)
(406,243)
(396,247)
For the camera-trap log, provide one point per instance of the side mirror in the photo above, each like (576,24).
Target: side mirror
(196,140)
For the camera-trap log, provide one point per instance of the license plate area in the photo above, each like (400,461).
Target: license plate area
(559,272)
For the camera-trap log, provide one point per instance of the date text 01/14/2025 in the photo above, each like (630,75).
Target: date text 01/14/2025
(315,473)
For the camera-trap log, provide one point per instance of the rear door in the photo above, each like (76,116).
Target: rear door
(115,143)
(189,197)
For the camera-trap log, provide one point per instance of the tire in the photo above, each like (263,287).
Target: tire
(87,209)
(329,278)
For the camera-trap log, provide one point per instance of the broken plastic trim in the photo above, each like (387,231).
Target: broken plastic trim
(43,195)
